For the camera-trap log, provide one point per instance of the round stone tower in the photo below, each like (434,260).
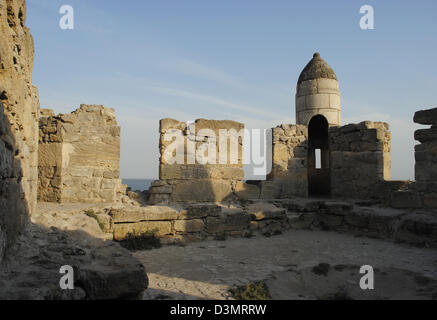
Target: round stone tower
(318,93)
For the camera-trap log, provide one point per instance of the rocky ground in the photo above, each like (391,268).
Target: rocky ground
(305,262)
(61,235)
(298,264)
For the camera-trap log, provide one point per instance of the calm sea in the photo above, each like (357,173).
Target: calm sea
(138,184)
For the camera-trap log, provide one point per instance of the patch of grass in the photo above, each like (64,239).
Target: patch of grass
(141,241)
(90,213)
(253,291)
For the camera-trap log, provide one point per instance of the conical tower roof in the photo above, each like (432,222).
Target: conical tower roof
(315,69)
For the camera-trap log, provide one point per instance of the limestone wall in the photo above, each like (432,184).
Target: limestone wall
(289,163)
(19,107)
(360,158)
(79,156)
(198,221)
(200,161)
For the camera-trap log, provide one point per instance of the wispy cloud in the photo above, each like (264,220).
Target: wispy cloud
(210,99)
(201,71)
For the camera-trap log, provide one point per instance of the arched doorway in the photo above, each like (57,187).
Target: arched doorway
(319,172)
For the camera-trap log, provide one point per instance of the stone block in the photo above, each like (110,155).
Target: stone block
(300,103)
(359,218)
(335,101)
(430,200)
(162,189)
(195,225)
(426,117)
(327,86)
(329,221)
(337,208)
(247,191)
(306,88)
(215,225)
(417,228)
(301,220)
(426,135)
(270,190)
(320,100)
(122,230)
(202,190)
(262,210)
(200,210)
(236,220)
(405,199)
(137,214)
(105,221)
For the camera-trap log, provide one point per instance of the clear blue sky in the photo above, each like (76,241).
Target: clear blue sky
(235,60)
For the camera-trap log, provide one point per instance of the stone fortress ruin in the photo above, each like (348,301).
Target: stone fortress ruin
(318,165)
(324,176)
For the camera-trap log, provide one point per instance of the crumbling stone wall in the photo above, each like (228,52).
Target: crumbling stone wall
(426,158)
(426,151)
(360,158)
(19,107)
(289,163)
(79,156)
(191,167)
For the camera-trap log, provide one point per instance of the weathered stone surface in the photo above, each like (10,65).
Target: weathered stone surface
(122,230)
(148,213)
(195,225)
(406,199)
(289,160)
(102,269)
(338,208)
(195,171)
(426,117)
(303,205)
(199,162)
(215,225)
(430,200)
(19,111)
(75,168)
(426,152)
(426,135)
(270,190)
(247,191)
(301,220)
(329,221)
(359,218)
(381,222)
(105,221)
(262,211)
(360,158)
(204,190)
(200,210)
(418,228)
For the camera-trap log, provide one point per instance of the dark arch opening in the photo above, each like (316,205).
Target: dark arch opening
(319,172)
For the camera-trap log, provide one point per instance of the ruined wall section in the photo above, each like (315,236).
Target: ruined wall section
(426,157)
(190,166)
(360,158)
(289,176)
(79,156)
(19,107)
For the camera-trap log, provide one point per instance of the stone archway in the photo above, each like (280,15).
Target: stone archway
(319,172)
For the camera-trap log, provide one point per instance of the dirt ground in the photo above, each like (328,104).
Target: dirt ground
(298,264)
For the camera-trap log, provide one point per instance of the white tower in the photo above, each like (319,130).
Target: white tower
(318,93)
